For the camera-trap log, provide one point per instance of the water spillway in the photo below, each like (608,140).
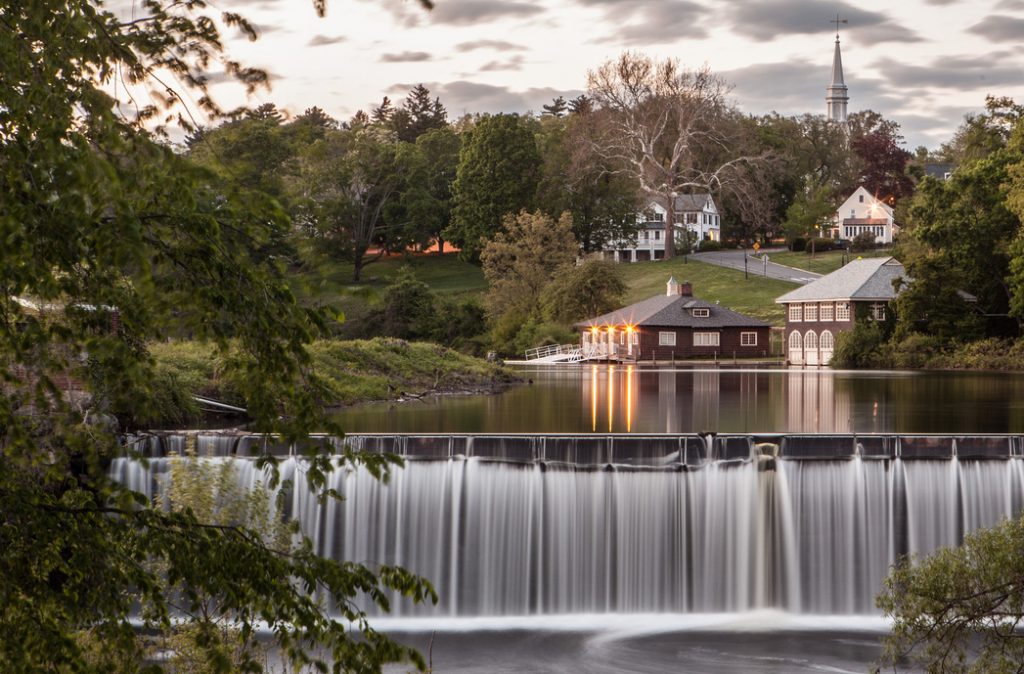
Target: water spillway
(553,524)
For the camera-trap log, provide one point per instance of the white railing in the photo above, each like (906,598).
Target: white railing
(549,350)
(567,353)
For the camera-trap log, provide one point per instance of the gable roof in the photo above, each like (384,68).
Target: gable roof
(689,202)
(874,201)
(869,279)
(673,311)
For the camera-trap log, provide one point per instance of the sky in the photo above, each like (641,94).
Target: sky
(922,63)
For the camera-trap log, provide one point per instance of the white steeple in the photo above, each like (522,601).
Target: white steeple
(835,94)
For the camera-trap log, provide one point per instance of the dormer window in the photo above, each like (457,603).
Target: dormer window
(701,313)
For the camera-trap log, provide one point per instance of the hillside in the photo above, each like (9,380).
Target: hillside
(324,282)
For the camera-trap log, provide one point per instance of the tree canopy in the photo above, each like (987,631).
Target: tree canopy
(110,239)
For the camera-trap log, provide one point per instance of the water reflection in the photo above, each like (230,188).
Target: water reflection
(627,399)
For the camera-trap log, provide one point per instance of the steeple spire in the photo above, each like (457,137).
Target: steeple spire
(835,94)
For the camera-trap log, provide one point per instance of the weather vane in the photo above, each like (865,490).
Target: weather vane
(838,21)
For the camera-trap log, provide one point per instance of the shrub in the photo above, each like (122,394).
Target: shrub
(862,242)
(859,348)
(798,244)
(710,246)
(820,245)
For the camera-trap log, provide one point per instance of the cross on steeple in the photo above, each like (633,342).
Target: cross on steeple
(838,21)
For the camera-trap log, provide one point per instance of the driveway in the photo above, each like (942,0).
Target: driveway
(756,266)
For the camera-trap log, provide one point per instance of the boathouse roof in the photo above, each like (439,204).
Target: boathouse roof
(674,311)
(861,279)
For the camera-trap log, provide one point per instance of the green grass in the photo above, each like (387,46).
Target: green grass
(324,281)
(353,371)
(754,296)
(820,263)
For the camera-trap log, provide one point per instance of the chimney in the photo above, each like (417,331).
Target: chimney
(686,289)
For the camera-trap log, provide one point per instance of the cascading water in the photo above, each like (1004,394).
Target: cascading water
(526,538)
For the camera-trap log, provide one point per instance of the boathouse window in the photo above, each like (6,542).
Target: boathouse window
(878,312)
(843,311)
(666,339)
(810,312)
(705,339)
(795,312)
(701,313)
(748,339)
(827,312)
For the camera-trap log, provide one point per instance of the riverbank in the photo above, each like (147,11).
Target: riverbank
(924,352)
(354,371)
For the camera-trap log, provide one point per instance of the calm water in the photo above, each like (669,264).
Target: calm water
(621,399)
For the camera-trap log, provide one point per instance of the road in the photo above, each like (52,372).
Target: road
(733,259)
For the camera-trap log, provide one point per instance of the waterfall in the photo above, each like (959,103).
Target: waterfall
(501,538)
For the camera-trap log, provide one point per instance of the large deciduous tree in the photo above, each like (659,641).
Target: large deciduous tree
(578,180)
(499,167)
(344,189)
(522,258)
(96,217)
(667,127)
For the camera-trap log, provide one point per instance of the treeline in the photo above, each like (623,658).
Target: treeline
(406,177)
(962,243)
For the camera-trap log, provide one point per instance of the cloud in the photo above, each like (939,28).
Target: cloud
(639,22)
(796,87)
(462,96)
(466,12)
(514,63)
(999,28)
(951,72)
(766,20)
(323,40)
(405,57)
(1010,6)
(496,45)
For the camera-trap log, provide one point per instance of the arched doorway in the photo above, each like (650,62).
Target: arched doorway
(796,348)
(811,348)
(827,344)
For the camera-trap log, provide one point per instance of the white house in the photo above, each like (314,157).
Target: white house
(696,213)
(861,213)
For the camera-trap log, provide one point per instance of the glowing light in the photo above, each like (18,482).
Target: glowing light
(611,396)
(629,399)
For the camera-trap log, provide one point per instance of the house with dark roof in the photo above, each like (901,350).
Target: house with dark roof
(695,213)
(674,325)
(818,311)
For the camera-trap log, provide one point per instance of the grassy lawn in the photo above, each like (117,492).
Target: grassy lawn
(754,296)
(325,281)
(821,263)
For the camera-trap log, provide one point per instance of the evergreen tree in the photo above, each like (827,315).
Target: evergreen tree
(420,113)
(556,108)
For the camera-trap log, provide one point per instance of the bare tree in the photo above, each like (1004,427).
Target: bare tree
(667,127)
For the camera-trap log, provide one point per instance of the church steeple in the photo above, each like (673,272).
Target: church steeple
(835,94)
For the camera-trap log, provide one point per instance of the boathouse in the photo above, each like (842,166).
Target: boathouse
(674,325)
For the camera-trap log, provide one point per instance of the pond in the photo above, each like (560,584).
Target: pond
(627,399)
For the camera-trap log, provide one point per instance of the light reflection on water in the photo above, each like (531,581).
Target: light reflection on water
(627,399)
